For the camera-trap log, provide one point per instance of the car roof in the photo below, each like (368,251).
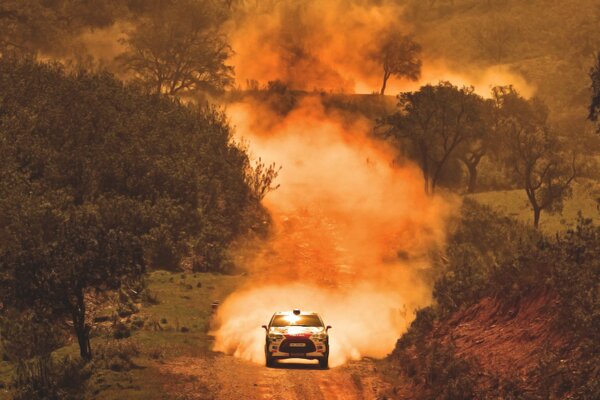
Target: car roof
(292,313)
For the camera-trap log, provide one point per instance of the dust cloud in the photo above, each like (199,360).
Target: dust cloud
(352,233)
(329,46)
(353,230)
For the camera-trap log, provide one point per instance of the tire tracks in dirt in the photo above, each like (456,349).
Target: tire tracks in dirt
(221,377)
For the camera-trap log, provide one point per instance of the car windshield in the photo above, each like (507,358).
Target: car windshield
(296,320)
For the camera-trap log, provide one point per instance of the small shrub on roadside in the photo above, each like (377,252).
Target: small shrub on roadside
(121,331)
(116,355)
(48,379)
(137,323)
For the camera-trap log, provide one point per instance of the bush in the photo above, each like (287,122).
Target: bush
(194,204)
(116,355)
(489,255)
(436,367)
(45,378)
(121,331)
(137,323)
(480,257)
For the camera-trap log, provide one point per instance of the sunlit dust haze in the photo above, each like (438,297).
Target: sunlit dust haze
(352,232)
(329,46)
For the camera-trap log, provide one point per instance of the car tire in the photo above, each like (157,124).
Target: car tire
(270,361)
(324,362)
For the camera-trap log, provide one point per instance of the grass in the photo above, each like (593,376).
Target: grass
(514,203)
(184,302)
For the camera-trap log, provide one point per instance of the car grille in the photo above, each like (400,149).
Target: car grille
(286,348)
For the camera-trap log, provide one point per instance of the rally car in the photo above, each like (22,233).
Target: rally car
(297,334)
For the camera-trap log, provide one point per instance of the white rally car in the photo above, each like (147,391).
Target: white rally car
(297,334)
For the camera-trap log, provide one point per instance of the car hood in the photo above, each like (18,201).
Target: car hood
(297,330)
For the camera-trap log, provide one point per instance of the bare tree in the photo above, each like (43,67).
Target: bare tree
(261,178)
(535,153)
(180,49)
(399,56)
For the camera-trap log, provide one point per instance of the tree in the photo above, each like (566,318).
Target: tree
(399,56)
(482,134)
(535,153)
(179,48)
(435,120)
(494,37)
(595,103)
(86,255)
(29,25)
(99,179)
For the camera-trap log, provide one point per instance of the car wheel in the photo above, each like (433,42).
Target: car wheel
(270,361)
(324,362)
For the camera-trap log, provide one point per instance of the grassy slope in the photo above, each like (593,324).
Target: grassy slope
(182,304)
(514,203)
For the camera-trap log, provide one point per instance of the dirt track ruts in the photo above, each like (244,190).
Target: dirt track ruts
(219,376)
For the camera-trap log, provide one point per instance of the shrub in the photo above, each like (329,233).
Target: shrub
(121,331)
(436,367)
(45,378)
(116,355)
(480,257)
(137,323)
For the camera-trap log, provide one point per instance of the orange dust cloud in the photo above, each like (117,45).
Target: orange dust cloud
(323,45)
(353,230)
(329,46)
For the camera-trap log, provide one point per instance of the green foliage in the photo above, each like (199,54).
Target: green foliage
(575,275)
(436,367)
(116,355)
(534,153)
(493,256)
(481,243)
(433,123)
(46,378)
(166,172)
(99,179)
(24,336)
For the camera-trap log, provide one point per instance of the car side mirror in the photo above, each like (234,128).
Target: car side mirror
(265,327)
(328,328)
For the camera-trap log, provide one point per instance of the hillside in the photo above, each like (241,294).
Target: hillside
(489,350)
(512,318)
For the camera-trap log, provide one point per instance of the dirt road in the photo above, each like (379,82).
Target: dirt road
(224,377)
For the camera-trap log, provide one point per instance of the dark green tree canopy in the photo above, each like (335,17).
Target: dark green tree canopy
(99,179)
(435,121)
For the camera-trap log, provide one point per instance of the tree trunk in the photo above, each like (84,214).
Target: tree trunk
(424,166)
(472,177)
(82,330)
(386,76)
(536,217)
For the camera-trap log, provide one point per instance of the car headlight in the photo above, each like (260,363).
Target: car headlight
(275,336)
(320,336)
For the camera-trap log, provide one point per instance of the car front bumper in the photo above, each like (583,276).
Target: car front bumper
(308,356)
